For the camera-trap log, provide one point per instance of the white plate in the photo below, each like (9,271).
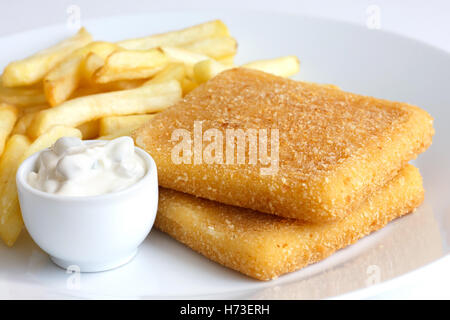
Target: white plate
(358,60)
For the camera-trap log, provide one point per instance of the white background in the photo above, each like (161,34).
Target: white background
(427,21)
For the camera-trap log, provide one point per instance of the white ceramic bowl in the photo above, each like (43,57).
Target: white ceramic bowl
(92,233)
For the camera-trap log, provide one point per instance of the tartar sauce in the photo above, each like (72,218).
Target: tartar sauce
(73,168)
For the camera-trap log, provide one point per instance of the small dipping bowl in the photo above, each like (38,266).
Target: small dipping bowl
(93,233)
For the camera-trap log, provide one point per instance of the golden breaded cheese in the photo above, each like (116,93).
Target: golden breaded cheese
(335,147)
(265,246)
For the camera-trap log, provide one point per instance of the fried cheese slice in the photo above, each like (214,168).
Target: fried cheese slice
(265,246)
(331,149)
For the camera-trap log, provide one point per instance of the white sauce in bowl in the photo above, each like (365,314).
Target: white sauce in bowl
(74,168)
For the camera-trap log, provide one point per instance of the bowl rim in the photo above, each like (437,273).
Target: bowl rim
(28,163)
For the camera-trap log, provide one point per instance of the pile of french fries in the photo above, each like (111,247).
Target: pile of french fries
(103,90)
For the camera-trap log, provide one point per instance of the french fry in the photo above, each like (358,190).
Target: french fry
(190,59)
(207,69)
(113,125)
(125,127)
(101,48)
(8,117)
(174,71)
(92,63)
(215,48)
(121,85)
(84,91)
(121,133)
(184,56)
(11,222)
(187,85)
(32,69)
(283,66)
(227,61)
(145,99)
(23,96)
(62,81)
(90,129)
(107,87)
(209,29)
(24,121)
(125,65)
(32,109)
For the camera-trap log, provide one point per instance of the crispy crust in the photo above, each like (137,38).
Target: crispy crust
(335,149)
(266,246)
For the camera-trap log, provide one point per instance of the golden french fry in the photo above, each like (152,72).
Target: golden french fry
(116,75)
(64,79)
(10,216)
(145,99)
(86,91)
(215,48)
(92,63)
(125,65)
(107,87)
(187,57)
(101,48)
(32,69)
(207,69)
(209,29)
(190,59)
(35,108)
(23,96)
(113,125)
(125,128)
(8,117)
(90,129)
(121,85)
(24,121)
(122,133)
(227,61)
(283,66)
(188,85)
(174,71)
